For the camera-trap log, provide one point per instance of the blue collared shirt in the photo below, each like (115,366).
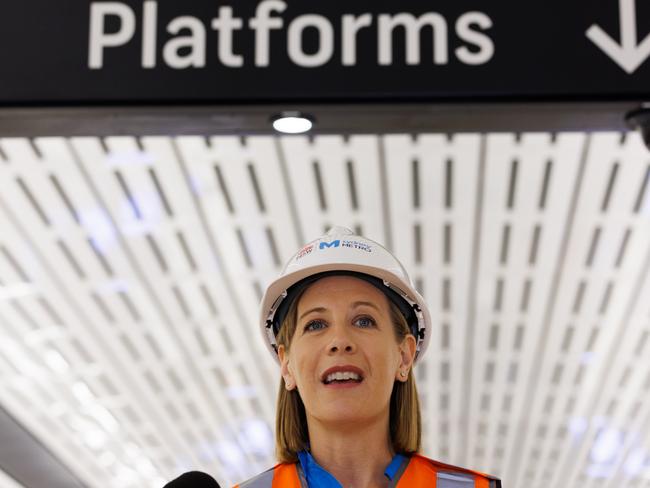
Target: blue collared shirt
(318,477)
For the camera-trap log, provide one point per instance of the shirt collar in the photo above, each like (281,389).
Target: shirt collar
(393,467)
(319,477)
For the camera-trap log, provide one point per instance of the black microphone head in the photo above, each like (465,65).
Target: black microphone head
(193,479)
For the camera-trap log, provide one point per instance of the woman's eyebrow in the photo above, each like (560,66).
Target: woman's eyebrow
(323,309)
(368,304)
(311,310)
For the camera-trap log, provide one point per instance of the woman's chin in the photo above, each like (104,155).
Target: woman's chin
(344,412)
(344,421)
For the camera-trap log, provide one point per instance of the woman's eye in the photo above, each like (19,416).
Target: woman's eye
(314,325)
(364,322)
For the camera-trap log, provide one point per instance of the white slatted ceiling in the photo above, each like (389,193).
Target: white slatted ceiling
(526,203)
(610,210)
(431,197)
(131,269)
(336,182)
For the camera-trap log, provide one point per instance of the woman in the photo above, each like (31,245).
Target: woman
(346,326)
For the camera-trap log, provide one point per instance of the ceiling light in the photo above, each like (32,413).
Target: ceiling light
(635,462)
(608,443)
(292,123)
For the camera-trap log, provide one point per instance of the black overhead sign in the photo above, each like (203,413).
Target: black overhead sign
(226,51)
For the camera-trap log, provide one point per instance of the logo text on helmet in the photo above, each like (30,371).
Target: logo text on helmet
(361,246)
(323,245)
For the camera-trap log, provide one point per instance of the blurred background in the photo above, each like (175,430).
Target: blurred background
(131,269)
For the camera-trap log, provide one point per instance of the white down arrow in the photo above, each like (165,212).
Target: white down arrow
(628,54)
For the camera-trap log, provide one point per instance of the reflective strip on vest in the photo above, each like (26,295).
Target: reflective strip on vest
(455,480)
(419,472)
(279,476)
(263,480)
(422,472)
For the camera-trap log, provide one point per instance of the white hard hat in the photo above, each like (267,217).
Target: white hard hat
(340,251)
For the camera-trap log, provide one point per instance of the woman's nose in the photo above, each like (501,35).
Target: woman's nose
(337,348)
(341,343)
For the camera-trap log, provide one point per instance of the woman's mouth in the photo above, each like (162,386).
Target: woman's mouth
(342,377)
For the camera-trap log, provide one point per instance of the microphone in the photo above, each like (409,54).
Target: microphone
(193,479)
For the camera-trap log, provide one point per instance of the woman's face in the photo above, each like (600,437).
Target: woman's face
(344,356)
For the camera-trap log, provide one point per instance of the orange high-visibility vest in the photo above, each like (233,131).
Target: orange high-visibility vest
(417,472)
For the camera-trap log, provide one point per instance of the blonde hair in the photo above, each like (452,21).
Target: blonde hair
(291,433)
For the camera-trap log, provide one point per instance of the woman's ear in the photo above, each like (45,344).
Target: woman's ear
(407,350)
(289,382)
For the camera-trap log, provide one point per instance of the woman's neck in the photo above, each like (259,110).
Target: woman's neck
(355,454)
